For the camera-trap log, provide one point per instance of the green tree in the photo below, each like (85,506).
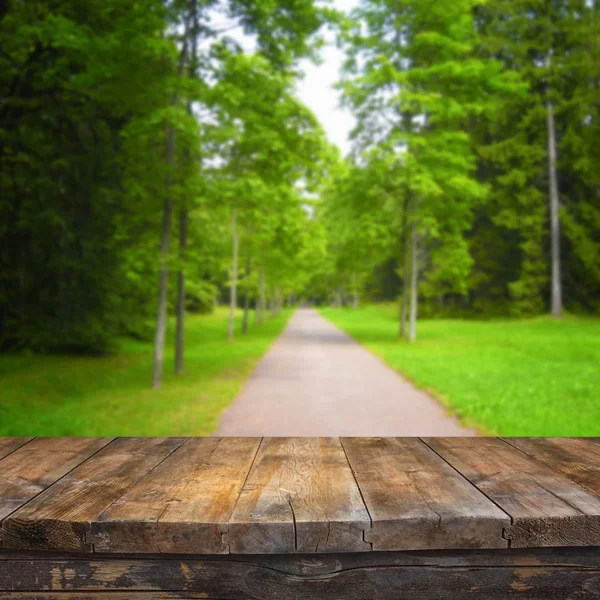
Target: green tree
(74,77)
(540,143)
(414,82)
(270,142)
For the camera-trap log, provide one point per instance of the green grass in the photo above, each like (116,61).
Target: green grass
(111,395)
(538,377)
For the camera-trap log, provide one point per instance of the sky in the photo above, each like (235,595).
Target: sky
(316,89)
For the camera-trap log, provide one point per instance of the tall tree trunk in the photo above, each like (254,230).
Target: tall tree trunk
(557,303)
(179,336)
(191,29)
(405,270)
(262,303)
(234,274)
(247,297)
(246,313)
(161,320)
(414,295)
(354,291)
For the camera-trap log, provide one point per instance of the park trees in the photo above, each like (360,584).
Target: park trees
(109,144)
(270,143)
(357,211)
(493,101)
(539,145)
(130,130)
(240,107)
(73,76)
(414,83)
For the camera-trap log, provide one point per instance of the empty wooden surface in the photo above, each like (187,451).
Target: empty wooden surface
(59,517)
(546,507)
(297,495)
(418,501)
(576,458)
(8,445)
(300,496)
(38,464)
(184,505)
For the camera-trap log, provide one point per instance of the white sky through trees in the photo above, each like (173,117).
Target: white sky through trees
(316,89)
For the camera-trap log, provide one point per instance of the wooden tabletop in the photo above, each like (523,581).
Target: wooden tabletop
(297,495)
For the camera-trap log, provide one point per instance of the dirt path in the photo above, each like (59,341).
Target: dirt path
(317,381)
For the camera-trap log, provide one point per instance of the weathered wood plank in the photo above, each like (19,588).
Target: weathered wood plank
(10,444)
(59,518)
(106,595)
(38,464)
(547,509)
(576,458)
(184,505)
(383,575)
(416,501)
(300,496)
(319,564)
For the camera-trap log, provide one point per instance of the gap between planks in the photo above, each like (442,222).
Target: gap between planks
(223,534)
(548,508)
(364,534)
(87,535)
(10,445)
(26,445)
(504,531)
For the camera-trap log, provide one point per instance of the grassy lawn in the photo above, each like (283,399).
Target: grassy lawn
(73,395)
(534,377)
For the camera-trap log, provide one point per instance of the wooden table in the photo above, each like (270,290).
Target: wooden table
(299,518)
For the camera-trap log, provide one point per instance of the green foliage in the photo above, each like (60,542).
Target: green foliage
(451,135)
(451,108)
(89,91)
(414,81)
(200,297)
(513,150)
(73,75)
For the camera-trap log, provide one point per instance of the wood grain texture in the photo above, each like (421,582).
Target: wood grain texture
(297,495)
(576,458)
(547,509)
(36,465)
(300,496)
(416,501)
(60,517)
(103,596)
(386,575)
(10,444)
(182,506)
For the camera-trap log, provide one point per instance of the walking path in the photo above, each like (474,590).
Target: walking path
(317,381)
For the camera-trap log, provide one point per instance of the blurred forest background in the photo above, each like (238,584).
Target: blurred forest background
(163,190)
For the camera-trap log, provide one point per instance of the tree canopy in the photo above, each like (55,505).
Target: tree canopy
(155,158)
(478,121)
